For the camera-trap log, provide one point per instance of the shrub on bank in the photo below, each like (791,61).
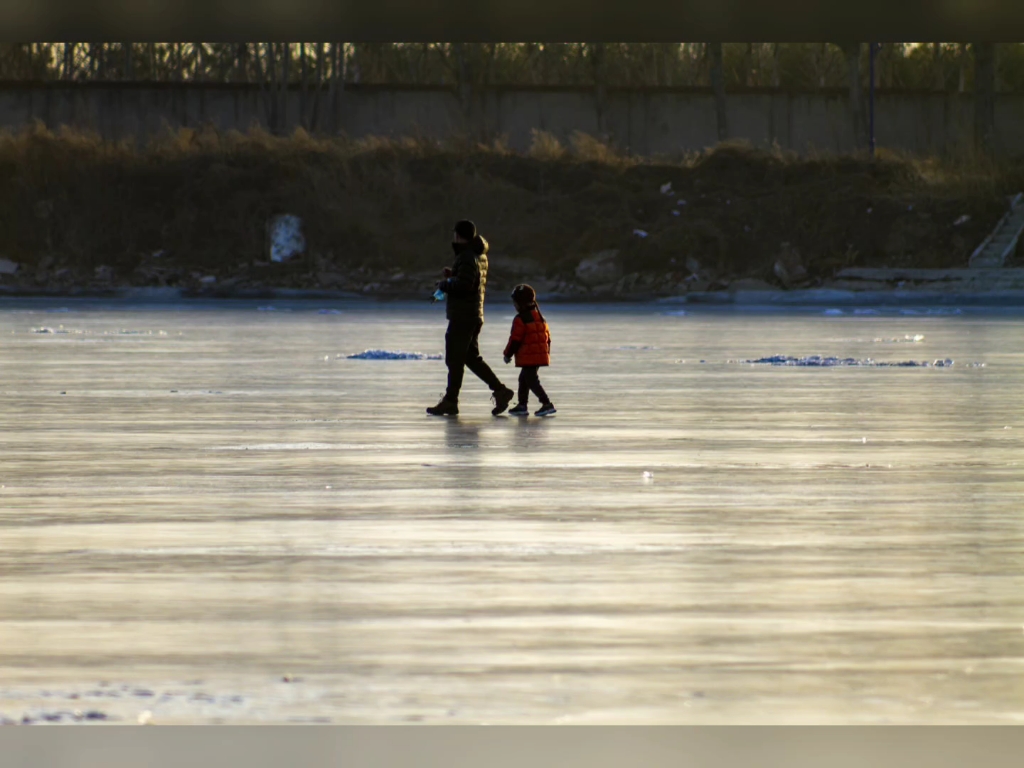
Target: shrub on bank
(71,203)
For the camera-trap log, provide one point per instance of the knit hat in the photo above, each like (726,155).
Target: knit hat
(465,229)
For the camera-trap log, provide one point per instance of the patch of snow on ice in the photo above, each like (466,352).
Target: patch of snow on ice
(817,361)
(383,354)
(917,338)
(930,312)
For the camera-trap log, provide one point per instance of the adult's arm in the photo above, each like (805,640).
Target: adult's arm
(465,279)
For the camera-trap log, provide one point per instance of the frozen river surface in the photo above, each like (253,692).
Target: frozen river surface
(208,513)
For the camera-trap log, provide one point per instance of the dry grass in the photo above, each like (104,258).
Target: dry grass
(70,200)
(545,146)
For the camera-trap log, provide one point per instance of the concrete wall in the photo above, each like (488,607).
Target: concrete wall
(646,121)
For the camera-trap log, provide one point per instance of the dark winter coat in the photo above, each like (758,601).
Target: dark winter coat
(530,340)
(466,287)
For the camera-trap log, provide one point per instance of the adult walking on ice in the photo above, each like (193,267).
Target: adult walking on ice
(464,286)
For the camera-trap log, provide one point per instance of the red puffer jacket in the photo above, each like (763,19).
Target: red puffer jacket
(530,342)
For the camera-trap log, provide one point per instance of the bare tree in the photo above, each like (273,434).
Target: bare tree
(318,78)
(670,60)
(853,56)
(272,82)
(242,63)
(69,55)
(962,61)
(304,86)
(1000,80)
(101,58)
(718,87)
(286,57)
(337,85)
(462,76)
(748,66)
(179,63)
(197,62)
(262,77)
(599,69)
(984,96)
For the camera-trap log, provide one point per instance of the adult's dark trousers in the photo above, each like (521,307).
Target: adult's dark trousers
(530,380)
(461,351)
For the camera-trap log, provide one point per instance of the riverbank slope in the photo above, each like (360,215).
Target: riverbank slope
(189,214)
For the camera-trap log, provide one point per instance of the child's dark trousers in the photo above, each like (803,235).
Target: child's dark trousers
(529,380)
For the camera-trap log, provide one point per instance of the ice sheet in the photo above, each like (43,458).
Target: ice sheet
(681,544)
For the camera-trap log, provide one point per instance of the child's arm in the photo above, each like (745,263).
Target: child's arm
(515,339)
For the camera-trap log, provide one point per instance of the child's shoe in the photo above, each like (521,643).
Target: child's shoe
(519,410)
(546,410)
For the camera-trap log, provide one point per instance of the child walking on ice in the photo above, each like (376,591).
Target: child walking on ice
(530,343)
